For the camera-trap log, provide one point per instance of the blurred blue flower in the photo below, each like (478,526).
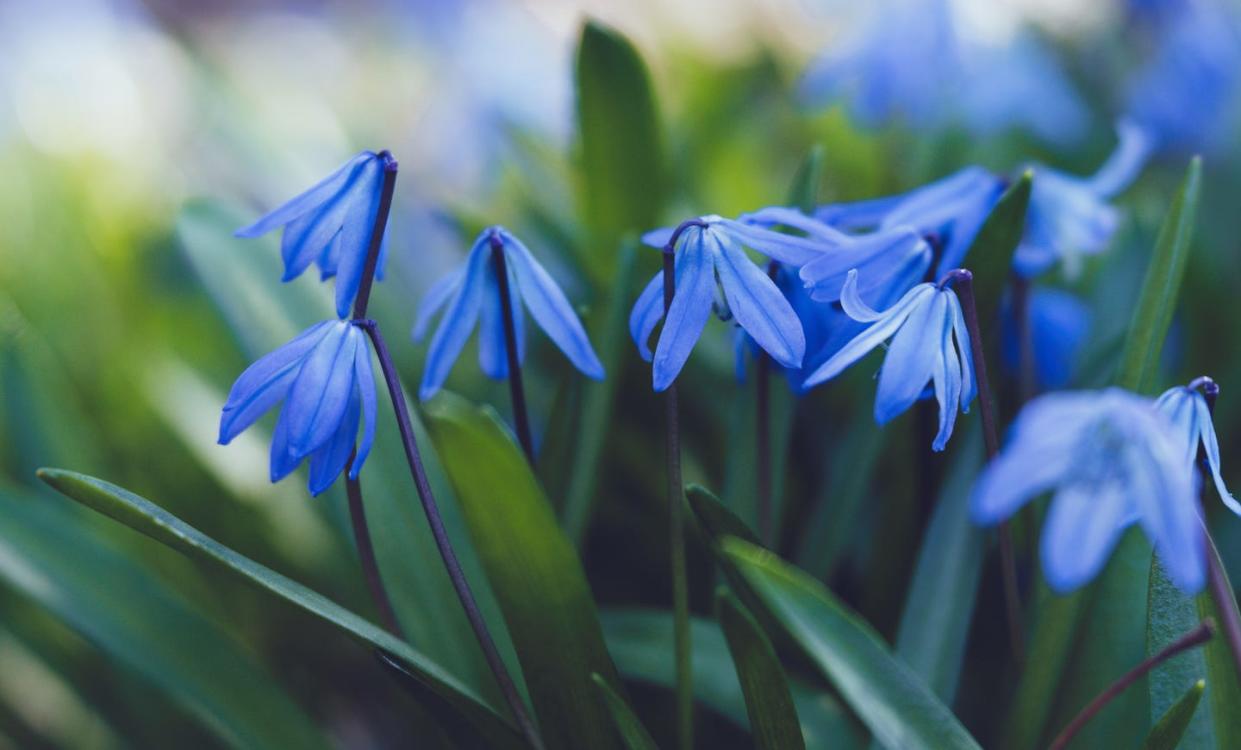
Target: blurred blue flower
(473,290)
(330,225)
(929,344)
(1186,95)
(889,261)
(950,211)
(1111,458)
(1059,322)
(324,378)
(1070,216)
(1187,408)
(708,252)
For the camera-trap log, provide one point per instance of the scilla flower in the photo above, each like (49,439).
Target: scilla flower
(330,225)
(1110,458)
(1187,408)
(930,343)
(1059,323)
(472,292)
(324,379)
(709,252)
(1070,216)
(950,210)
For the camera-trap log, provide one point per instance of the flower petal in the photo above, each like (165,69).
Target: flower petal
(786,248)
(964,351)
(320,394)
(492,345)
(328,461)
(1082,527)
(870,338)
(791,217)
(308,200)
(550,309)
(883,260)
(757,303)
(911,359)
(355,235)
(458,320)
(1163,489)
(688,313)
(365,378)
(858,215)
(435,298)
(658,238)
(947,379)
(282,462)
(646,314)
(1133,147)
(1210,445)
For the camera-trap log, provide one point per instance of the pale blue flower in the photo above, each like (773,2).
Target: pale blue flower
(1070,216)
(949,211)
(1110,458)
(1187,408)
(710,252)
(930,343)
(330,225)
(472,293)
(1059,322)
(325,380)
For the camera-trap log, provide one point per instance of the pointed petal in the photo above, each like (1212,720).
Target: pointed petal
(328,461)
(883,260)
(969,384)
(308,200)
(1163,489)
(1082,527)
(365,377)
(911,359)
(435,298)
(492,345)
(265,382)
(786,248)
(858,215)
(658,238)
(646,314)
(947,379)
(458,321)
(691,306)
(355,235)
(791,217)
(1210,445)
(852,303)
(320,394)
(1020,473)
(757,303)
(550,309)
(1133,147)
(868,339)
(283,462)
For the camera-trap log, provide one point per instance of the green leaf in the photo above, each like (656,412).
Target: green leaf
(144,516)
(804,193)
(990,257)
(1152,315)
(716,520)
(1224,693)
(534,571)
(49,555)
(1168,682)
(768,701)
(641,641)
(626,722)
(894,703)
(1168,731)
(622,173)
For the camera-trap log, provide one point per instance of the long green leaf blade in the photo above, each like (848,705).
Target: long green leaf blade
(1170,729)
(1224,691)
(624,719)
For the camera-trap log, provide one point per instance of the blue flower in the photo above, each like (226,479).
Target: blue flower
(950,210)
(708,252)
(324,379)
(1111,459)
(473,290)
(929,344)
(330,225)
(1069,216)
(1187,408)
(889,261)
(1059,322)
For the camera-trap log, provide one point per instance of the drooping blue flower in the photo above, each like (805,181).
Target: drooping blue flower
(950,210)
(1070,216)
(1187,94)
(1187,408)
(1111,459)
(930,343)
(889,260)
(472,292)
(324,378)
(330,225)
(710,252)
(1059,322)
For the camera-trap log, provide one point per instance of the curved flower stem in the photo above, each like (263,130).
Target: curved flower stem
(676,518)
(1217,578)
(1195,637)
(762,436)
(442,542)
(366,555)
(963,282)
(517,392)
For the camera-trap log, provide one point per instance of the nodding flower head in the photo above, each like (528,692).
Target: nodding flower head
(1070,216)
(473,291)
(325,380)
(1110,458)
(330,225)
(1187,407)
(930,343)
(709,251)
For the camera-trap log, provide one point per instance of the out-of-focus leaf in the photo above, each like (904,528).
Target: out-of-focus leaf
(534,571)
(48,555)
(893,702)
(641,640)
(804,193)
(768,701)
(940,603)
(1168,682)
(1170,729)
(144,516)
(714,518)
(991,255)
(622,172)
(626,722)
(1224,691)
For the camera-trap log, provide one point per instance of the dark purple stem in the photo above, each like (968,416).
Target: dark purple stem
(1025,340)
(442,542)
(517,392)
(366,555)
(362,301)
